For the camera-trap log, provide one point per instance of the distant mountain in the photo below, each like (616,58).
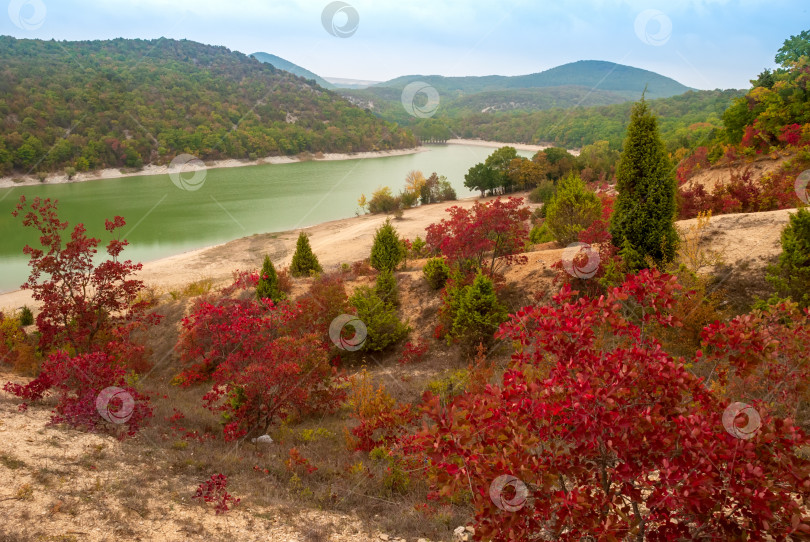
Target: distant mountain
(126,103)
(350,83)
(591,74)
(386,101)
(294,69)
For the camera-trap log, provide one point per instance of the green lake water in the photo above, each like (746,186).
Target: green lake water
(163,220)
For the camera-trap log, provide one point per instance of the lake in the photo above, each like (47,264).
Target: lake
(228,203)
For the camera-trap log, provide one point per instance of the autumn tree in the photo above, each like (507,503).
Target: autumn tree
(482,237)
(645,209)
(84,304)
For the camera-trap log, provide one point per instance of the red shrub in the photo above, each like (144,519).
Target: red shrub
(497,230)
(91,389)
(413,352)
(84,306)
(214,490)
(595,431)
(264,365)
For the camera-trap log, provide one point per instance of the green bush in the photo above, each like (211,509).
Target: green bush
(543,193)
(382,201)
(26,316)
(791,274)
(418,248)
(541,234)
(386,287)
(479,313)
(387,251)
(382,323)
(267,287)
(436,272)
(304,262)
(572,209)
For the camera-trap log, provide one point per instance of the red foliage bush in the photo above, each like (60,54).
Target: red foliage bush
(762,356)
(497,230)
(214,490)
(263,364)
(595,431)
(84,306)
(742,193)
(698,160)
(413,352)
(91,389)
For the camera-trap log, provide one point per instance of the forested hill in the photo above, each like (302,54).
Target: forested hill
(295,69)
(627,81)
(126,103)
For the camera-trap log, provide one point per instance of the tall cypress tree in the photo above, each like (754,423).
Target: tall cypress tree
(644,213)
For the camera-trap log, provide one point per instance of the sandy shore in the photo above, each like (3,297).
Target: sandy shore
(112,173)
(346,240)
(498,144)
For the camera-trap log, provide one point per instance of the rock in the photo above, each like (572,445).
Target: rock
(459,534)
(470,529)
(264,440)
(383,537)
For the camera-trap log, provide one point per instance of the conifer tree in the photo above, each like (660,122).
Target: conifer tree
(645,208)
(479,311)
(387,251)
(267,287)
(304,262)
(791,275)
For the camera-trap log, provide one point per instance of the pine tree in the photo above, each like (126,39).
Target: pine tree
(304,261)
(387,251)
(791,275)
(386,287)
(479,312)
(267,287)
(645,207)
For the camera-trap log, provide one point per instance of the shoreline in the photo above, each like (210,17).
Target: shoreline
(499,144)
(151,169)
(338,241)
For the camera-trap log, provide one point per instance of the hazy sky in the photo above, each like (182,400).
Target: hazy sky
(701,43)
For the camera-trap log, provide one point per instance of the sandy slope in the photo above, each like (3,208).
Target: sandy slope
(739,236)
